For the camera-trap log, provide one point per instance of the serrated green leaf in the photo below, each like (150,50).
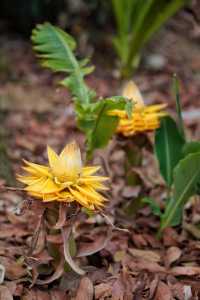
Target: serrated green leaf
(168,148)
(54,47)
(186,178)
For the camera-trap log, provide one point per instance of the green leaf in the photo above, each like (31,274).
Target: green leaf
(186,178)
(155,208)
(136,22)
(168,148)
(54,47)
(129,108)
(191,147)
(104,125)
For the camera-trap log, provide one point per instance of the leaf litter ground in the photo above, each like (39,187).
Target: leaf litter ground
(130,264)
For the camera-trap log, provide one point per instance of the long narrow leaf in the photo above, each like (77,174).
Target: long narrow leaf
(186,178)
(168,147)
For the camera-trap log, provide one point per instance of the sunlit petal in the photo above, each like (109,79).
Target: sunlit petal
(132,92)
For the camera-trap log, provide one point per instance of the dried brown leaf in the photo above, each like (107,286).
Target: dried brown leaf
(99,243)
(14,270)
(163,292)
(103,290)
(66,235)
(185,271)
(85,290)
(57,274)
(149,255)
(5,293)
(172,254)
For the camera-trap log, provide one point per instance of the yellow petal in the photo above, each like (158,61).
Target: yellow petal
(50,187)
(52,157)
(71,159)
(37,186)
(87,171)
(92,179)
(81,199)
(131,91)
(36,169)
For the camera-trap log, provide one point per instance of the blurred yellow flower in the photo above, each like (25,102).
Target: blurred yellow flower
(65,179)
(143,118)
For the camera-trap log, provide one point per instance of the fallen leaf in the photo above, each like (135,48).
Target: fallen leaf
(131,191)
(2,273)
(185,271)
(163,292)
(58,295)
(13,269)
(36,294)
(99,243)
(139,264)
(172,254)
(5,293)
(57,274)
(85,290)
(149,255)
(8,231)
(170,237)
(103,290)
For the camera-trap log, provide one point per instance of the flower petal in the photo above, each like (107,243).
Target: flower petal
(71,159)
(132,92)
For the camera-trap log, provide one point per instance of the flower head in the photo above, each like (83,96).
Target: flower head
(143,118)
(65,179)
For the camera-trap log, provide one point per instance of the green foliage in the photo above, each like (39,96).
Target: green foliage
(186,178)
(191,147)
(104,125)
(55,49)
(137,21)
(155,208)
(168,148)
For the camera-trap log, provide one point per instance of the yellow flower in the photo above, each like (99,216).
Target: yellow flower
(65,179)
(143,118)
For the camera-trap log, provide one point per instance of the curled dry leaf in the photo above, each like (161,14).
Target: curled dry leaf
(61,217)
(140,264)
(66,231)
(36,294)
(13,269)
(122,288)
(5,293)
(163,292)
(172,255)
(99,243)
(10,231)
(2,273)
(85,290)
(103,290)
(57,274)
(185,271)
(149,255)
(58,295)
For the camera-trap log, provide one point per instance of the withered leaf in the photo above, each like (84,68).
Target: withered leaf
(172,254)
(85,290)
(163,292)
